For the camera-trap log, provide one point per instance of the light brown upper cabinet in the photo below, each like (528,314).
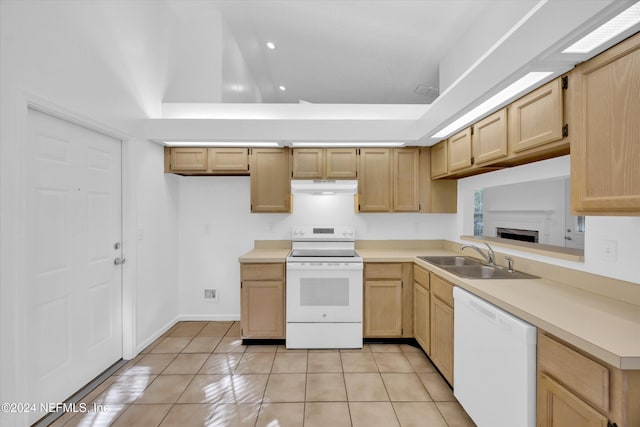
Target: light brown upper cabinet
(192,159)
(436,195)
(489,138)
(308,163)
(389,180)
(270,180)
(536,118)
(324,163)
(341,163)
(229,159)
(207,161)
(375,182)
(439,162)
(605,132)
(406,185)
(459,154)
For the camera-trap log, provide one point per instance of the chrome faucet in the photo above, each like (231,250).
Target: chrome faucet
(490,256)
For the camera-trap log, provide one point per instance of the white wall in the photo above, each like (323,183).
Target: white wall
(216,227)
(623,231)
(104,63)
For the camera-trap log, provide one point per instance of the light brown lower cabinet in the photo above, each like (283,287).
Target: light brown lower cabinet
(558,407)
(421,308)
(262,297)
(576,389)
(388,292)
(441,307)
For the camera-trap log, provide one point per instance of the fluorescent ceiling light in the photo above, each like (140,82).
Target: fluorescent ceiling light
(607,31)
(270,45)
(501,97)
(349,144)
(220,144)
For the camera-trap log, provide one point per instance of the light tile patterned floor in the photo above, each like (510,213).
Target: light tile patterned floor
(200,374)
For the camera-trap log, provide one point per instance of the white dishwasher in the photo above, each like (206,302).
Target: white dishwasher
(494,363)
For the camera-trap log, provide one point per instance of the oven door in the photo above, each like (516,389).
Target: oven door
(324,292)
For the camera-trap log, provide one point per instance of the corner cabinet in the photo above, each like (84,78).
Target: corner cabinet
(605,132)
(439,159)
(262,300)
(270,180)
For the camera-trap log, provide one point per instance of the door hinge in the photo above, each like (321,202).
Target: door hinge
(358,207)
(419,207)
(241,332)
(610,424)
(471,130)
(565,82)
(565,131)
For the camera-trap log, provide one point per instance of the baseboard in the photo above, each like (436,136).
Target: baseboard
(208,317)
(156,334)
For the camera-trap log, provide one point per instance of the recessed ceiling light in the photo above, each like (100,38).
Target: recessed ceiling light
(271,46)
(282,88)
(607,31)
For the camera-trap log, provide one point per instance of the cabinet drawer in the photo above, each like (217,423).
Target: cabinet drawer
(421,276)
(262,272)
(584,376)
(442,289)
(382,271)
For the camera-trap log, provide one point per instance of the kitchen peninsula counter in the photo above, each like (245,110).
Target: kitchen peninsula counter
(596,314)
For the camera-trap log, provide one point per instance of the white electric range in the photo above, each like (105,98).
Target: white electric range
(324,289)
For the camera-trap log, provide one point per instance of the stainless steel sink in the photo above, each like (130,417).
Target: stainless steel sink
(486,272)
(470,268)
(442,261)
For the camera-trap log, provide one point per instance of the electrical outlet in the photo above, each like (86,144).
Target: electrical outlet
(211,295)
(609,250)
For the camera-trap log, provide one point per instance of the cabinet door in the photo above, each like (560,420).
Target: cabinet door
(383,308)
(229,159)
(489,138)
(536,118)
(270,181)
(459,145)
(558,407)
(406,184)
(604,129)
(262,309)
(375,180)
(439,159)
(189,159)
(308,163)
(341,163)
(442,337)
(421,316)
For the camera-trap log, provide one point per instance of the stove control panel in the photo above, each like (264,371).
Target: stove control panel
(323,233)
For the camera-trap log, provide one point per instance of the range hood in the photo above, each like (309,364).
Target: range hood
(324,186)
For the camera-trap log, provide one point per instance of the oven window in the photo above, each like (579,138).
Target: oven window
(324,292)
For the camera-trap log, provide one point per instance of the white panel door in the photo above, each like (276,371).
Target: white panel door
(75,229)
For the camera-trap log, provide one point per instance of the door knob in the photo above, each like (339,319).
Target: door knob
(119,261)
